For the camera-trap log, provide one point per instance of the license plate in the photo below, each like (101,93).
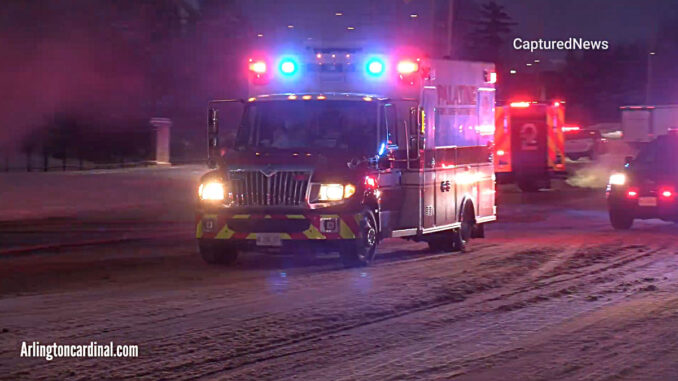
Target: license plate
(268,239)
(647,201)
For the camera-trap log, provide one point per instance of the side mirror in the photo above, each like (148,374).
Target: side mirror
(628,160)
(212,138)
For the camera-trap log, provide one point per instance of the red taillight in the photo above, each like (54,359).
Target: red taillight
(371,182)
(632,193)
(666,193)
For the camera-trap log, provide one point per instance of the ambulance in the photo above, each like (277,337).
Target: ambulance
(338,149)
(529,144)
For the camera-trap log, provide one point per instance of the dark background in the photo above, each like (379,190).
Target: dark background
(78,72)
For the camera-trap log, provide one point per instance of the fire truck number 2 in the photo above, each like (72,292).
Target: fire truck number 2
(528,137)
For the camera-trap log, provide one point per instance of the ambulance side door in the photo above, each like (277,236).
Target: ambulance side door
(390,176)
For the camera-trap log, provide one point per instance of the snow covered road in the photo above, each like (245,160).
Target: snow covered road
(551,293)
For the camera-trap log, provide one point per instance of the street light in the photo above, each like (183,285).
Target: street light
(648,79)
(512,71)
(338,14)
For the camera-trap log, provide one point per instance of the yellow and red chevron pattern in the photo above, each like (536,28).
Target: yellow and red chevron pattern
(502,141)
(555,118)
(347,229)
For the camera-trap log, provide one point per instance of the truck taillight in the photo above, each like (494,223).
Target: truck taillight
(666,193)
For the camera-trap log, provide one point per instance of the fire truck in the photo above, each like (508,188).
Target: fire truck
(529,145)
(338,149)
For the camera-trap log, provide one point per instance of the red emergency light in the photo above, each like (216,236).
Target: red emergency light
(371,182)
(257,67)
(520,104)
(407,67)
(258,70)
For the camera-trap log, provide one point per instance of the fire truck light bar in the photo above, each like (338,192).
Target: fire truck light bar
(520,104)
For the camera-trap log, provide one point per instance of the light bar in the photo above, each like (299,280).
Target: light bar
(571,128)
(407,67)
(520,104)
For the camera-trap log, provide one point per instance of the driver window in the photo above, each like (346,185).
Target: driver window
(389,124)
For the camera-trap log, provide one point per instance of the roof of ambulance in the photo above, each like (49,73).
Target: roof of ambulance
(315,95)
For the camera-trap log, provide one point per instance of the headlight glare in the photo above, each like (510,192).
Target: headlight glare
(331,192)
(618,179)
(212,191)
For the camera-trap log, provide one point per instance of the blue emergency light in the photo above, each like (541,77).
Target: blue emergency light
(288,67)
(375,67)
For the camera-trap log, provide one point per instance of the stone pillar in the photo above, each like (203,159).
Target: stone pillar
(161,140)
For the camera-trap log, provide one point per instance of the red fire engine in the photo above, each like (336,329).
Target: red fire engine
(529,144)
(338,149)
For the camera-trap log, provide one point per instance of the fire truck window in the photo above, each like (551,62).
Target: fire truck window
(327,124)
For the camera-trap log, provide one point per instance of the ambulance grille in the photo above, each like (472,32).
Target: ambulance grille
(282,188)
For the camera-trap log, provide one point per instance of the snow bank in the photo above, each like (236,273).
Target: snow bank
(137,192)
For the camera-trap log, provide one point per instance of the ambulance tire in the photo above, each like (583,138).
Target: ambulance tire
(463,234)
(218,254)
(361,251)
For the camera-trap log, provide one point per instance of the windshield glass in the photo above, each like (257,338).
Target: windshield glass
(660,155)
(317,124)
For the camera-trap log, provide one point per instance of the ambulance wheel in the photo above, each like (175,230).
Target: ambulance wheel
(462,235)
(218,253)
(360,252)
(620,220)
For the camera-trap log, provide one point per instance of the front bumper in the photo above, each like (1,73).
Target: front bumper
(243,229)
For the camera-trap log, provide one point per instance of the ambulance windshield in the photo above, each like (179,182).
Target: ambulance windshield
(310,124)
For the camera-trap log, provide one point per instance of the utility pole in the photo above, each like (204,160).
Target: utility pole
(450,24)
(648,79)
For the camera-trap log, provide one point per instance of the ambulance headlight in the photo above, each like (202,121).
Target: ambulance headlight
(335,192)
(618,179)
(212,191)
